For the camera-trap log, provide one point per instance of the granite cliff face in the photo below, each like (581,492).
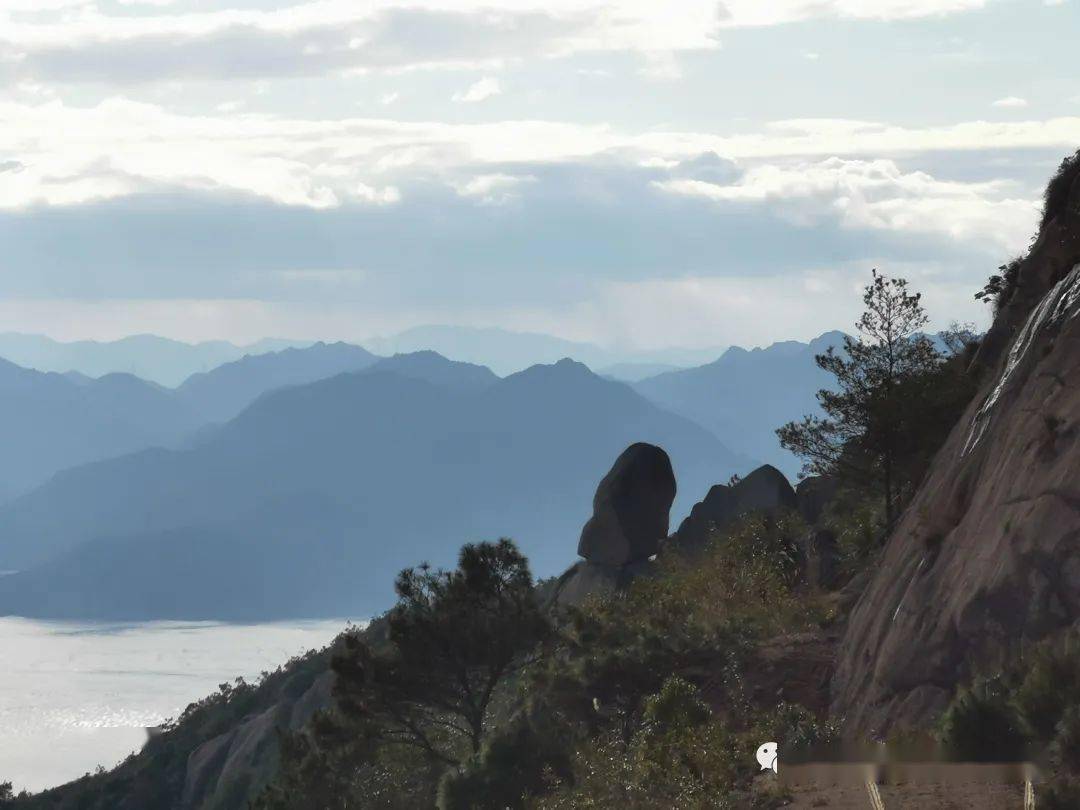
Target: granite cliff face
(986,559)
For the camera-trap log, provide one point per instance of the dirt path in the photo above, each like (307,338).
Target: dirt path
(914,797)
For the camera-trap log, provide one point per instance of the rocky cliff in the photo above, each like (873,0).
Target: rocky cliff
(986,559)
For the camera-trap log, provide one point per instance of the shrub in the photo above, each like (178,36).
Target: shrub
(1056,198)
(1000,287)
(982,725)
(1065,750)
(1050,687)
(517,762)
(1060,793)
(679,756)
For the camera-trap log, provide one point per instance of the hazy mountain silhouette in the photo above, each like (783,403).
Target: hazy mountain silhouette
(153,358)
(51,421)
(310,500)
(220,394)
(434,368)
(745,395)
(505,351)
(635,372)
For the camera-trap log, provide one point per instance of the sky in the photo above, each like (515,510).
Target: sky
(635,174)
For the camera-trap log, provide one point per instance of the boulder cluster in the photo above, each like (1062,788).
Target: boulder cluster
(631,514)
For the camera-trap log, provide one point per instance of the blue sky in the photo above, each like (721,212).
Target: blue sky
(636,174)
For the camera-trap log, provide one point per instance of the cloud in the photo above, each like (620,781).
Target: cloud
(747,13)
(479,90)
(329,36)
(493,188)
(127,147)
(877,195)
(1010,102)
(377,196)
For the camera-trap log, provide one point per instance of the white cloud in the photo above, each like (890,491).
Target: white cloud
(479,91)
(744,13)
(326,36)
(878,195)
(493,188)
(377,196)
(1010,102)
(123,147)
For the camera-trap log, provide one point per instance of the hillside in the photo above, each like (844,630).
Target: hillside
(310,500)
(221,393)
(150,357)
(983,563)
(507,351)
(744,395)
(50,421)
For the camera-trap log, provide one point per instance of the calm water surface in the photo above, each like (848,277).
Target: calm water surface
(74,695)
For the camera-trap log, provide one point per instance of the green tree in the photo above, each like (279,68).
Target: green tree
(454,638)
(881,397)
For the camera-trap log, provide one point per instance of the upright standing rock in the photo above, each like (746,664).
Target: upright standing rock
(631,508)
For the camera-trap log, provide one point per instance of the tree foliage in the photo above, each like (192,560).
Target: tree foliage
(454,637)
(883,395)
(416,699)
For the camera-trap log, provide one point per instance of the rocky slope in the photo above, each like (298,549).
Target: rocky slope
(985,560)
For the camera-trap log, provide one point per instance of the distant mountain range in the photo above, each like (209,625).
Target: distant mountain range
(207,500)
(313,497)
(505,351)
(744,395)
(220,394)
(50,421)
(157,359)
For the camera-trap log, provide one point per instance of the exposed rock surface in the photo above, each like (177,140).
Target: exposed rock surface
(227,770)
(764,490)
(631,508)
(584,579)
(986,558)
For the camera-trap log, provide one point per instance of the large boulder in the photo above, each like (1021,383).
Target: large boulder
(764,490)
(985,560)
(631,508)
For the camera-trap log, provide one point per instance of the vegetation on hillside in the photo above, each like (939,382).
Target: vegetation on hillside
(1030,709)
(895,398)
(637,699)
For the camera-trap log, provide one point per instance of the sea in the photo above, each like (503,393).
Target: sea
(75,696)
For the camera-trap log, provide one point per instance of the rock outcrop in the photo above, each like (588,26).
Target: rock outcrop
(986,558)
(631,508)
(764,490)
(235,765)
(631,511)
